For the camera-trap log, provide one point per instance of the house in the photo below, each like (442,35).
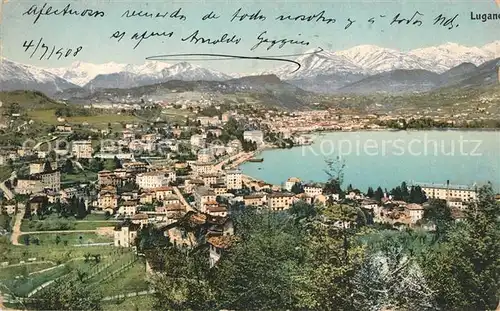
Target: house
(290,182)
(161,193)
(107,200)
(64,128)
(140,219)
(125,234)
(155,179)
(197,141)
(219,188)
(234,180)
(255,200)
(128,208)
(415,211)
(305,198)
(173,211)
(217,210)
(217,246)
(205,156)
(81,149)
(313,190)
(209,179)
(279,201)
(135,167)
(50,180)
(146,197)
(254,136)
(203,168)
(38,167)
(202,195)
(171,199)
(28,186)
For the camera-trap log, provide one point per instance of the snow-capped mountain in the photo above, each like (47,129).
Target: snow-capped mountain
(81,73)
(16,76)
(449,55)
(315,63)
(190,72)
(371,59)
(139,76)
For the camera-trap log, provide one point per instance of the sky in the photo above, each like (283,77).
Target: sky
(94,34)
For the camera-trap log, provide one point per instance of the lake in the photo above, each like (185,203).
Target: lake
(386,158)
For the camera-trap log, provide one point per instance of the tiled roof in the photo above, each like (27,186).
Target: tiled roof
(223,242)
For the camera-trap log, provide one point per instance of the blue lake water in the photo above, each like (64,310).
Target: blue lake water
(386,158)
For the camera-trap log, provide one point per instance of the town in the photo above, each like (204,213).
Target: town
(126,188)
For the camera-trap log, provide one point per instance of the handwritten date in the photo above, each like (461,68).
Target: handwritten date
(47,51)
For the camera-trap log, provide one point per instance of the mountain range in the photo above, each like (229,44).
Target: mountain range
(361,69)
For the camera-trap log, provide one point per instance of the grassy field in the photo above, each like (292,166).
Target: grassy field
(132,280)
(27,226)
(100,121)
(82,177)
(5,172)
(56,253)
(22,285)
(49,239)
(142,303)
(91,225)
(11,272)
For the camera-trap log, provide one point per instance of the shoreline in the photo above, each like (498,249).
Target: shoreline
(319,134)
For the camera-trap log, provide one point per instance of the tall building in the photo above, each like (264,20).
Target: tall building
(81,149)
(234,180)
(456,195)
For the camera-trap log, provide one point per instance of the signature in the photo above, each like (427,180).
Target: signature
(211,56)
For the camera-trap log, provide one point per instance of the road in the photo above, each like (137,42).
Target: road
(183,200)
(236,160)
(16,230)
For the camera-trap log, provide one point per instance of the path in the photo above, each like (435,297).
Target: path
(16,230)
(183,200)
(60,231)
(134,294)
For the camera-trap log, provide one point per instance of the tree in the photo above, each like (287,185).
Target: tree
(335,172)
(297,188)
(58,240)
(370,193)
(464,271)
(68,295)
(68,166)
(417,195)
(118,163)
(47,167)
(405,195)
(379,194)
(81,211)
(439,213)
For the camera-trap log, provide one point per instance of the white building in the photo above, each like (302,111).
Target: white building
(451,193)
(416,212)
(279,201)
(125,234)
(234,180)
(290,182)
(197,141)
(255,136)
(82,149)
(313,190)
(205,156)
(155,179)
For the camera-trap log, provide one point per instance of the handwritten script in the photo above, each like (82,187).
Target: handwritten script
(265,39)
